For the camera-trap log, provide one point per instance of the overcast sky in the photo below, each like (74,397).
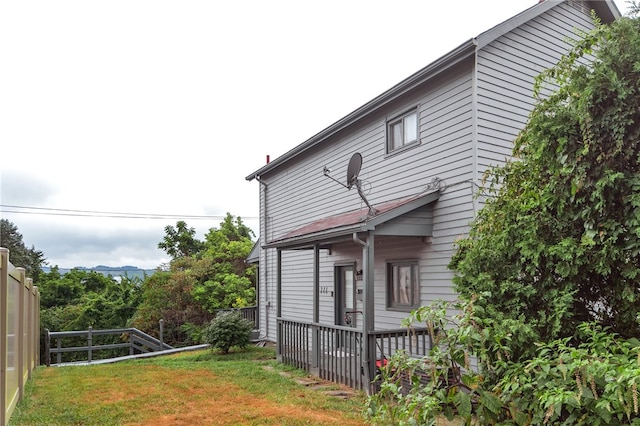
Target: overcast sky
(162,108)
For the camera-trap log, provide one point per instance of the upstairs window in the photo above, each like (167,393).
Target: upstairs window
(403,285)
(402,130)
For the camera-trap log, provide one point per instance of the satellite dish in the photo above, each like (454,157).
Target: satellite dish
(353,170)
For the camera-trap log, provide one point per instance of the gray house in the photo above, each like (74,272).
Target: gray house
(358,223)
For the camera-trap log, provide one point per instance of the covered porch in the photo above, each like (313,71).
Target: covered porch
(342,351)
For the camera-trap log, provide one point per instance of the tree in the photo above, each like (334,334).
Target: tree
(559,242)
(180,241)
(80,299)
(19,254)
(167,295)
(227,280)
(196,285)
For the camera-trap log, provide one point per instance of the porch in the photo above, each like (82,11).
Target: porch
(333,348)
(337,353)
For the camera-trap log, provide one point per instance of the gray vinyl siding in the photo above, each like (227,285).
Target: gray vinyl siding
(469,117)
(506,70)
(301,194)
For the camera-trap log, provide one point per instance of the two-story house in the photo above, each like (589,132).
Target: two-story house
(358,223)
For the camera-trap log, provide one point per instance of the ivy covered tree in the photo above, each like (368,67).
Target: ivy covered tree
(558,242)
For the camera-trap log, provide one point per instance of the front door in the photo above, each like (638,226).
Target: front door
(346,313)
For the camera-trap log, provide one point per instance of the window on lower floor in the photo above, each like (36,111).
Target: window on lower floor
(402,130)
(403,285)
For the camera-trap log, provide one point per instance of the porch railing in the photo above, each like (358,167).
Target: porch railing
(249,313)
(335,353)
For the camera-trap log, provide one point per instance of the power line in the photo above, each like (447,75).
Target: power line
(106,214)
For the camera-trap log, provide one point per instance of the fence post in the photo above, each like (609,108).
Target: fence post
(4,286)
(20,341)
(89,343)
(59,353)
(47,347)
(161,336)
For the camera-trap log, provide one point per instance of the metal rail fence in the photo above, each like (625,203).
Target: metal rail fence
(19,333)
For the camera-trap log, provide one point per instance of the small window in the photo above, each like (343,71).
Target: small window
(402,130)
(403,285)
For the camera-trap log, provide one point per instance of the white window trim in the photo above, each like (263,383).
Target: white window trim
(395,119)
(415,281)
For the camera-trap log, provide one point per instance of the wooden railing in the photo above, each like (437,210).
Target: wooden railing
(249,313)
(135,340)
(335,353)
(19,333)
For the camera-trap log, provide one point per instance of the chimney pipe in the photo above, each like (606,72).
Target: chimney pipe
(268,159)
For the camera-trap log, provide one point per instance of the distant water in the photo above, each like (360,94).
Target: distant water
(114,271)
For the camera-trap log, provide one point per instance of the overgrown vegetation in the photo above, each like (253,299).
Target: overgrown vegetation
(201,278)
(548,276)
(82,299)
(592,378)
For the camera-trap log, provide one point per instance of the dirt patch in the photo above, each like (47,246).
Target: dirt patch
(161,396)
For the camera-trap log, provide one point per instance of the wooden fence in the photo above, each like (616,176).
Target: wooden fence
(19,333)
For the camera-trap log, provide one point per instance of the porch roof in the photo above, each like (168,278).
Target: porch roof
(341,227)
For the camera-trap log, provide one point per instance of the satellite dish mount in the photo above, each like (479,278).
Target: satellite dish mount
(353,171)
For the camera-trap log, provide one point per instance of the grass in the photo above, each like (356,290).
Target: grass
(184,389)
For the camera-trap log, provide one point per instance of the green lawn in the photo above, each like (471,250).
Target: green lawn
(193,388)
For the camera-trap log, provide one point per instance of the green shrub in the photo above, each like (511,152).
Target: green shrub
(592,379)
(228,329)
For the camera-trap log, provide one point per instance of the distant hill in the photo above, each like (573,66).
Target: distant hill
(114,271)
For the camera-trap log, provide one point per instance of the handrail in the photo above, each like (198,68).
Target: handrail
(335,352)
(138,341)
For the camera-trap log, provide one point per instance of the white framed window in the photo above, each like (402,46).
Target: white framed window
(403,285)
(402,130)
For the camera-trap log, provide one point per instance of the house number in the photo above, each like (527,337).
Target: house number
(324,290)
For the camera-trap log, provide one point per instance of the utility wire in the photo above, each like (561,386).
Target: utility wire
(104,214)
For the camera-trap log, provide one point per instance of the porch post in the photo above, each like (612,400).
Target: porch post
(315,337)
(279,305)
(368,314)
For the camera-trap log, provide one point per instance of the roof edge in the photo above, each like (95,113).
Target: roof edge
(434,68)
(606,9)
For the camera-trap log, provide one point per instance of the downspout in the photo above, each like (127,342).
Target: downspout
(368,349)
(474,131)
(266,262)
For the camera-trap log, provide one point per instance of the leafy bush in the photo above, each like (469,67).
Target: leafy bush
(417,390)
(592,379)
(228,329)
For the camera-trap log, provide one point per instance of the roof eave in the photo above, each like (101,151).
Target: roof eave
(340,233)
(320,237)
